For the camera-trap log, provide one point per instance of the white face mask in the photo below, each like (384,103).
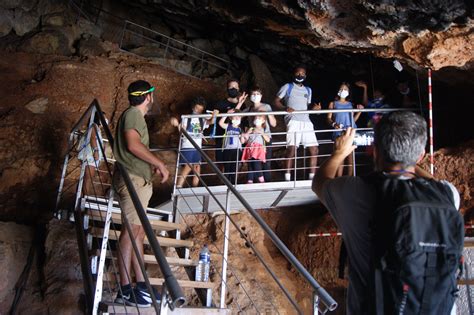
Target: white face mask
(406,92)
(255,98)
(235,122)
(343,93)
(258,122)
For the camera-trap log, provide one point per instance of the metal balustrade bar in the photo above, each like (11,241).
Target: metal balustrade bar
(326,299)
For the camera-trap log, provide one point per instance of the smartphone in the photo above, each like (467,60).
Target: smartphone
(364,138)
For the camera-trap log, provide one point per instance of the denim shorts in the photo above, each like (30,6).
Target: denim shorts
(191,156)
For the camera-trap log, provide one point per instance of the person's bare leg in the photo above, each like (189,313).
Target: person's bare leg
(126,251)
(197,170)
(290,154)
(182,177)
(313,160)
(139,238)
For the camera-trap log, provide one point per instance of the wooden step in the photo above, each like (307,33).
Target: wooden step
(466,281)
(110,277)
(157,224)
(89,200)
(114,308)
(164,241)
(468,243)
(174,261)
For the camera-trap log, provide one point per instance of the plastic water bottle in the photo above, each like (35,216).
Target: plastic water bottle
(202,269)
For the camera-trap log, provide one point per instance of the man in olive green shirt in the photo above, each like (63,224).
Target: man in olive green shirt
(132,151)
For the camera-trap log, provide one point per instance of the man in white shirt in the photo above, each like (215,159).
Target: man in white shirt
(300,129)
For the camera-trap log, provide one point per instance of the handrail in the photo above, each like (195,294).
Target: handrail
(326,299)
(171,283)
(178,41)
(300,112)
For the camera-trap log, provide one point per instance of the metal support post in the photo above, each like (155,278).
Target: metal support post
(225,250)
(296,160)
(315,304)
(103,252)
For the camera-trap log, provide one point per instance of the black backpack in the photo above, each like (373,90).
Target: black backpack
(419,239)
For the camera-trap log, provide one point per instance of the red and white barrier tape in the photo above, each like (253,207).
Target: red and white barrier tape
(325,234)
(333,234)
(430,109)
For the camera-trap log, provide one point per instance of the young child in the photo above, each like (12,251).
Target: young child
(258,106)
(343,120)
(254,152)
(231,145)
(190,155)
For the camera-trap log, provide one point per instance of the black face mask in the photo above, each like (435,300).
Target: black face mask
(233,92)
(299,78)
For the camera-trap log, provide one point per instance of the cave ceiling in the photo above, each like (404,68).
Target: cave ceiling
(435,34)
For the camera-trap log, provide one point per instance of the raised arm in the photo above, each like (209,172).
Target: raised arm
(242,99)
(343,146)
(210,121)
(365,98)
(222,123)
(357,115)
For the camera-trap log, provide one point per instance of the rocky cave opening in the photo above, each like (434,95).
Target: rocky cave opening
(56,56)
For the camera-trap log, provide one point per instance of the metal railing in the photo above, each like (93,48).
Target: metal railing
(171,53)
(71,180)
(329,303)
(278,144)
(320,296)
(173,49)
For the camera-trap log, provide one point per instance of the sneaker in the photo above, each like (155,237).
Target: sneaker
(131,297)
(146,295)
(287,177)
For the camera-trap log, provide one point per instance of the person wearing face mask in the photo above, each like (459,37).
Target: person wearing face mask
(377,102)
(234,100)
(300,129)
(254,152)
(258,106)
(189,155)
(231,145)
(343,120)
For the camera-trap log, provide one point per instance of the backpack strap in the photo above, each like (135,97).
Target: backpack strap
(288,91)
(342,260)
(188,123)
(430,282)
(292,85)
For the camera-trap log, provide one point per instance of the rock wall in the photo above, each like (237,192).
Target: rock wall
(44,95)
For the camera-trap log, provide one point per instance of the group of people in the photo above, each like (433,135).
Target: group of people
(400,140)
(249,139)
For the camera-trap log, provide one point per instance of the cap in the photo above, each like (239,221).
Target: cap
(139,88)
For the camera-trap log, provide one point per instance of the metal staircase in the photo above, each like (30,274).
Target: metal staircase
(98,224)
(168,263)
(167,51)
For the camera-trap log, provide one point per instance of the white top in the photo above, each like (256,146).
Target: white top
(298,100)
(195,131)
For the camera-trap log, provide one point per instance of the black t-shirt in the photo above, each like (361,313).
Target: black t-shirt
(351,202)
(222,106)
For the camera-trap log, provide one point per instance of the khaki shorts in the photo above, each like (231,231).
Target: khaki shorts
(144,191)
